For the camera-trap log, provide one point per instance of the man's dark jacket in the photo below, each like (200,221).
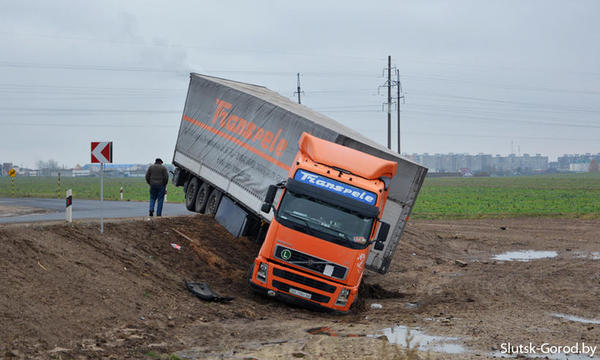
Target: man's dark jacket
(157,175)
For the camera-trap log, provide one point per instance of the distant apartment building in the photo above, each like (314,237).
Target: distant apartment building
(577,162)
(6,168)
(466,163)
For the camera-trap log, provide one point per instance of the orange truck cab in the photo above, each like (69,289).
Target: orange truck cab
(327,218)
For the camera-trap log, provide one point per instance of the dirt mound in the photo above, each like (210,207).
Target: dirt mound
(73,289)
(70,282)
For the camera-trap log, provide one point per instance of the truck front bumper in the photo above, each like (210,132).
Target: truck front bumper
(300,288)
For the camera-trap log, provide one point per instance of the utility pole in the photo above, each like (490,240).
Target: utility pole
(298,91)
(400,97)
(389,84)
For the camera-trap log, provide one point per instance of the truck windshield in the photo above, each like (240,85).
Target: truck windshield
(326,221)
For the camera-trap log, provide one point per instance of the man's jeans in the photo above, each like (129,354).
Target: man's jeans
(157,192)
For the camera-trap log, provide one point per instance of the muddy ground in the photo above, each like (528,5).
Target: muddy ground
(68,292)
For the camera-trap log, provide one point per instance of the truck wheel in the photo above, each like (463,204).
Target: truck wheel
(213,202)
(202,198)
(190,193)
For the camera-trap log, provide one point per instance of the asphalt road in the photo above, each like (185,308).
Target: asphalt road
(84,209)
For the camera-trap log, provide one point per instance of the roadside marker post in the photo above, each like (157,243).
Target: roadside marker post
(58,191)
(165,194)
(12,173)
(69,205)
(121,192)
(102,153)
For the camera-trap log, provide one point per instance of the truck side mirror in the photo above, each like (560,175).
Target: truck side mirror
(266,206)
(384,229)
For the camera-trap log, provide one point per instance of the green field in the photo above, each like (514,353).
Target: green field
(565,195)
(134,189)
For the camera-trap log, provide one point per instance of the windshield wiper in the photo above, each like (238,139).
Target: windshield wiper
(336,233)
(307,225)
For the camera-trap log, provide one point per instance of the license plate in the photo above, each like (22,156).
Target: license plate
(300,293)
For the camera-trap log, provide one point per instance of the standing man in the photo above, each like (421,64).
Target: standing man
(157,177)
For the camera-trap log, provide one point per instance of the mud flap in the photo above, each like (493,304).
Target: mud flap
(204,292)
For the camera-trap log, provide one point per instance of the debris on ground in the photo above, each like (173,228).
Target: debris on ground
(460,263)
(204,292)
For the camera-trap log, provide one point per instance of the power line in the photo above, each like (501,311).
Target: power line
(505,86)
(469,67)
(59,110)
(446,114)
(79,125)
(86,67)
(400,96)
(199,47)
(462,116)
(67,87)
(428,133)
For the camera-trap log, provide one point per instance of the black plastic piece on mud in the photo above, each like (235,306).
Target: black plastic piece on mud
(204,292)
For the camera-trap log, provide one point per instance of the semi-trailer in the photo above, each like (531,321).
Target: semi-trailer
(326,202)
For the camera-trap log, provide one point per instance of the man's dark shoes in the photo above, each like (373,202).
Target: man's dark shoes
(151,213)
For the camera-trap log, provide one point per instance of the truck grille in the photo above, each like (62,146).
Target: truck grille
(310,262)
(313,296)
(303,280)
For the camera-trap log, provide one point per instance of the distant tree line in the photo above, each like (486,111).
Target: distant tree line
(47,165)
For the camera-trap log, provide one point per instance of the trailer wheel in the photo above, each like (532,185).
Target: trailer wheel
(202,198)
(190,193)
(213,202)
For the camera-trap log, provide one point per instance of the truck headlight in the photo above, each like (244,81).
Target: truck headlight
(263,270)
(342,297)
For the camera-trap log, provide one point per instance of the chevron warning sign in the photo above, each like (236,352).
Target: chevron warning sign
(102,152)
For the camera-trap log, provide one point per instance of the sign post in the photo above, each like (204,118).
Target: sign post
(12,173)
(101,198)
(102,153)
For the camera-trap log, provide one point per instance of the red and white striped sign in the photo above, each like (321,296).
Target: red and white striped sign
(102,152)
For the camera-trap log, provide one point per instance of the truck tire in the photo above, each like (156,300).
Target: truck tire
(190,193)
(202,198)
(212,204)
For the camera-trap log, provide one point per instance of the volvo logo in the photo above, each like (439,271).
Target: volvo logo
(286,254)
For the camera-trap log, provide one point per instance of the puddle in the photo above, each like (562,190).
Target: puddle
(588,255)
(525,255)
(411,305)
(577,319)
(397,335)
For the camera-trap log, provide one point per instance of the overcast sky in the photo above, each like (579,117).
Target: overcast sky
(479,76)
